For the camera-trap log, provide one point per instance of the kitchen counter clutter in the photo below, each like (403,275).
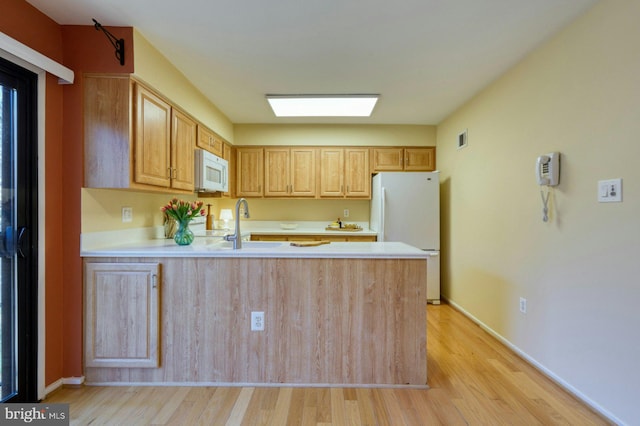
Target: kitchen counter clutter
(311,231)
(305,228)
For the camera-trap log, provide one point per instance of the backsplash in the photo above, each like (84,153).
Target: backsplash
(102,209)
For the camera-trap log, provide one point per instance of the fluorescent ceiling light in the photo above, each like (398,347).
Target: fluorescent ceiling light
(322,105)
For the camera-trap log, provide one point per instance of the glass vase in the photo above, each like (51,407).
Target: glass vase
(184,235)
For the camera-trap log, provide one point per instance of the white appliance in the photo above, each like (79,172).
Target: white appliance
(211,172)
(405,206)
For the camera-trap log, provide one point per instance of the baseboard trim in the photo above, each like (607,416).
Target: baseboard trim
(71,381)
(260,385)
(52,387)
(544,370)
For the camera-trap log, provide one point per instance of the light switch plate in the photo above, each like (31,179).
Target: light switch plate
(610,191)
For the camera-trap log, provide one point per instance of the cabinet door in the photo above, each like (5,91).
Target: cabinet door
(303,172)
(357,173)
(183,137)
(210,141)
(249,176)
(387,159)
(121,314)
(107,126)
(229,154)
(152,143)
(420,159)
(331,172)
(276,172)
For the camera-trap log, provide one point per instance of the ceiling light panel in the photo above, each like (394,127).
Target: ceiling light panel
(322,105)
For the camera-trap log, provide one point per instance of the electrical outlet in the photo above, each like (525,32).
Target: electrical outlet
(345,213)
(127,214)
(523,305)
(257,321)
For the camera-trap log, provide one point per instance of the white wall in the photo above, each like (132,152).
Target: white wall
(156,70)
(578,94)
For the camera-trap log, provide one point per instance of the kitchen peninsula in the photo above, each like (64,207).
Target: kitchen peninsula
(336,314)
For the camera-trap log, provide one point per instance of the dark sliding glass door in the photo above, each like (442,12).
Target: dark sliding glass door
(18,233)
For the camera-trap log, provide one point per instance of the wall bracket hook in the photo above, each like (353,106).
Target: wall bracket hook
(117,43)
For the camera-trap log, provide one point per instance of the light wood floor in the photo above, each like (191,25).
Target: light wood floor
(473,379)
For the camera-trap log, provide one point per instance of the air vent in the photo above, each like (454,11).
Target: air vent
(462,139)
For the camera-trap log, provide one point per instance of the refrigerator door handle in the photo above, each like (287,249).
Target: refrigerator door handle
(383,203)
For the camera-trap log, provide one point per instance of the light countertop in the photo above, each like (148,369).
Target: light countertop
(214,247)
(150,243)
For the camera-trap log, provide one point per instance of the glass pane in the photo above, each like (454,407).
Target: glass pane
(8,282)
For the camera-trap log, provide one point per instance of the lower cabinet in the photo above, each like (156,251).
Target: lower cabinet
(121,314)
(318,237)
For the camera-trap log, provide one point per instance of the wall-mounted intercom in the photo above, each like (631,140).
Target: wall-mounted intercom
(548,169)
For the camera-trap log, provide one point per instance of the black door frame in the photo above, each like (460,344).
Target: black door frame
(27,222)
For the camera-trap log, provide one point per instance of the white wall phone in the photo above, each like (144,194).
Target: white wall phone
(548,169)
(547,173)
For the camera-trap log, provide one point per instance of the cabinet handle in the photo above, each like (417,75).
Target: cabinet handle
(169,172)
(175,174)
(154,281)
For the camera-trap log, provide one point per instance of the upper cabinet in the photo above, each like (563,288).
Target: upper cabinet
(210,141)
(183,137)
(134,138)
(229,154)
(249,172)
(290,172)
(357,173)
(152,142)
(344,173)
(403,159)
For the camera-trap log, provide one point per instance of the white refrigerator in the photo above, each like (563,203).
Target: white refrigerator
(405,206)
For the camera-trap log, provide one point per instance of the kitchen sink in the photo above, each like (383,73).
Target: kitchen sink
(253,245)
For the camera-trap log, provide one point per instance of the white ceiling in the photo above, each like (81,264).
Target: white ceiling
(424,57)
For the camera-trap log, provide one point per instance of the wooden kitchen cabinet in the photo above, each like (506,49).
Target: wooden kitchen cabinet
(210,141)
(152,143)
(183,137)
(134,138)
(290,172)
(121,314)
(315,237)
(345,173)
(357,173)
(332,172)
(403,159)
(249,172)
(229,154)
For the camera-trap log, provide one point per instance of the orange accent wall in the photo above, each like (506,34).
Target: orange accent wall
(29,26)
(82,49)
(26,24)
(85,50)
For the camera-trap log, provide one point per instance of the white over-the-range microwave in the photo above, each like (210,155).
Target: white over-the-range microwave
(211,172)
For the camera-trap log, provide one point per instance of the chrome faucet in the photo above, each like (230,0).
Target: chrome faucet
(237,236)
